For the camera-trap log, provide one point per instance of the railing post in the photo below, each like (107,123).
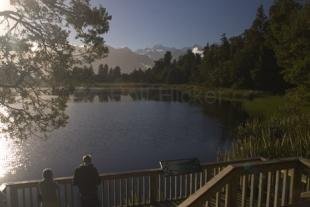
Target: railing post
(12,196)
(231,199)
(4,197)
(296,186)
(153,188)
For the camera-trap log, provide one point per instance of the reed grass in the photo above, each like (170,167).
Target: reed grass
(284,135)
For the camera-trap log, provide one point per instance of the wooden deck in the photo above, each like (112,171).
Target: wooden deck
(243,183)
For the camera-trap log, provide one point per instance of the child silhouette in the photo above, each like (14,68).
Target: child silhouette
(48,190)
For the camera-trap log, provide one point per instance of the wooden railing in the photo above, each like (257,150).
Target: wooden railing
(136,188)
(270,183)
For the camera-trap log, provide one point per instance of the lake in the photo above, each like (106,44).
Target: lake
(124,129)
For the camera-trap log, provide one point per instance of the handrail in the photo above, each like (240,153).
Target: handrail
(132,188)
(305,195)
(222,179)
(212,186)
(305,164)
(144,172)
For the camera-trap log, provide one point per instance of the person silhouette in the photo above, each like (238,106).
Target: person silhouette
(87,179)
(48,190)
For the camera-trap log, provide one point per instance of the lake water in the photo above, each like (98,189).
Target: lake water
(124,130)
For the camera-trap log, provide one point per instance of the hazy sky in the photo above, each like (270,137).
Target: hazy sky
(178,23)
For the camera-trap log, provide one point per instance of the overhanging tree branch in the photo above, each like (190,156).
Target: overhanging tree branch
(34,50)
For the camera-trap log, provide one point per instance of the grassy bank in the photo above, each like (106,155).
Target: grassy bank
(273,137)
(264,106)
(277,128)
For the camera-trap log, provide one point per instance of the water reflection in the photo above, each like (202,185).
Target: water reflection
(227,112)
(125,94)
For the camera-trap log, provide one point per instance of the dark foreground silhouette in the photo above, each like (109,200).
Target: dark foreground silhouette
(87,179)
(48,190)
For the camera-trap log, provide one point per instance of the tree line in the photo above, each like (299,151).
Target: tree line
(86,74)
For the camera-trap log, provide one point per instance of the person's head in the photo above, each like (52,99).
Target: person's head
(47,174)
(87,159)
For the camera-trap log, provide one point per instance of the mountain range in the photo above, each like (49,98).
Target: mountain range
(128,60)
(158,51)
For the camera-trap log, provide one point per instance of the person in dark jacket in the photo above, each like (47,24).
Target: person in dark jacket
(87,179)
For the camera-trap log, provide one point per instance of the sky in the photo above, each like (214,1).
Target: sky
(177,23)
(138,24)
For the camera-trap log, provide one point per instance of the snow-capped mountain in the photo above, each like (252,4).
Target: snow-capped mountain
(197,50)
(158,51)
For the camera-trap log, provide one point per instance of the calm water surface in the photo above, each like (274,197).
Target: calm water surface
(123,130)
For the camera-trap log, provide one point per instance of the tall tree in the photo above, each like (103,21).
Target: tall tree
(103,72)
(115,74)
(290,38)
(264,70)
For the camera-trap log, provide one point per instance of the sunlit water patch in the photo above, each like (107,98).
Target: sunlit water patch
(10,157)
